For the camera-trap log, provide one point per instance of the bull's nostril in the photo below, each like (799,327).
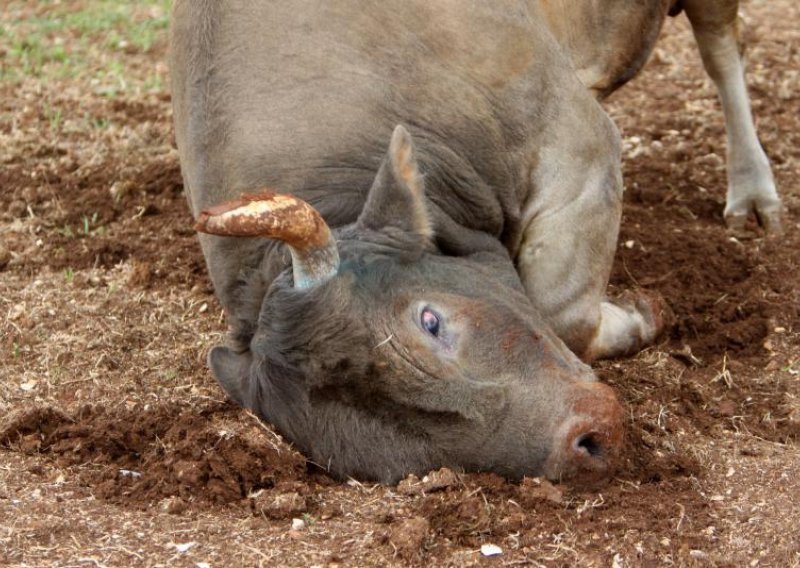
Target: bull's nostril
(591,444)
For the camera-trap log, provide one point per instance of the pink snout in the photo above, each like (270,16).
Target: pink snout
(588,442)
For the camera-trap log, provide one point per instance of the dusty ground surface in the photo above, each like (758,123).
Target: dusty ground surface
(117,447)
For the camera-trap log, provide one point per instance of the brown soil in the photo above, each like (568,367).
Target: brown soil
(116,446)
(142,455)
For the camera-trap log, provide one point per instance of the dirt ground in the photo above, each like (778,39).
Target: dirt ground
(117,448)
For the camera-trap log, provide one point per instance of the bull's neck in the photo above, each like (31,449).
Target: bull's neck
(471,201)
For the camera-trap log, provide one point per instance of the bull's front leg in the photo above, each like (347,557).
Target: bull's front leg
(570,229)
(751,187)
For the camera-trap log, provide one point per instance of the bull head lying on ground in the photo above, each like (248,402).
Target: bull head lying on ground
(378,356)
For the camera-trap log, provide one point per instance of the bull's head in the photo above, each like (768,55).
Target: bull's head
(378,356)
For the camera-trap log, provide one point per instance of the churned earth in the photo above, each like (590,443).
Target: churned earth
(117,448)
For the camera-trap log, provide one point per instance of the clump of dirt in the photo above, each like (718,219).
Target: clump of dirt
(143,455)
(408,537)
(26,431)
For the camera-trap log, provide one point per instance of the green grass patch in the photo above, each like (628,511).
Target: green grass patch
(88,39)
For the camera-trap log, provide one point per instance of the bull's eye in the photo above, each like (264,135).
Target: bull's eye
(430,321)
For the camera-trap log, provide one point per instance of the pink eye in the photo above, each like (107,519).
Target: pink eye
(430,321)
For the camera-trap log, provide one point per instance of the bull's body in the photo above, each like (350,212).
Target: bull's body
(512,237)
(302,98)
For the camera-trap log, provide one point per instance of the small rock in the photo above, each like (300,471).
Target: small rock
(408,537)
(16,311)
(491,550)
(711,160)
(129,473)
(120,189)
(410,485)
(435,481)
(440,479)
(298,524)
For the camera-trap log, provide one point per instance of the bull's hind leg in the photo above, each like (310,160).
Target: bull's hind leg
(751,188)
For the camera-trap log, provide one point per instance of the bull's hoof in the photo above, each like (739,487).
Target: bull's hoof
(631,321)
(767,214)
(654,310)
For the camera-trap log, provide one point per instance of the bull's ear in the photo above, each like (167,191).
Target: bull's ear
(397,196)
(232,371)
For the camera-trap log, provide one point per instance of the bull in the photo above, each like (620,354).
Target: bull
(429,284)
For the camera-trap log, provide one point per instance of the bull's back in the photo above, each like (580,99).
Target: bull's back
(302,96)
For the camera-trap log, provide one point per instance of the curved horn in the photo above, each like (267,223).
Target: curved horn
(315,257)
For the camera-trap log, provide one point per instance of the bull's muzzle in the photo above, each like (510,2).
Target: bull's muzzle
(588,443)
